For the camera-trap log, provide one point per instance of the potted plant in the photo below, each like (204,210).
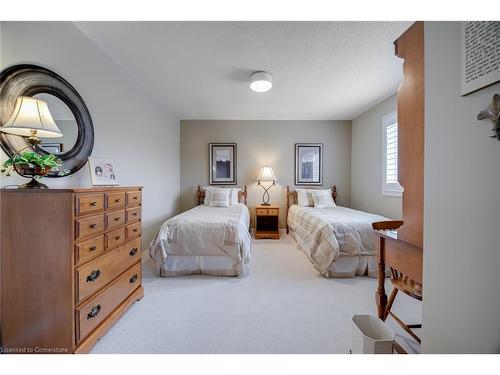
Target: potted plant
(30,164)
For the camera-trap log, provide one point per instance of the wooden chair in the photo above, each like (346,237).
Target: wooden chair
(400,282)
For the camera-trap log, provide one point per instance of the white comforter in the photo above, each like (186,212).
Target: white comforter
(205,231)
(325,234)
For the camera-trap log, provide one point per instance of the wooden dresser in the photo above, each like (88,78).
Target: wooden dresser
(70,266)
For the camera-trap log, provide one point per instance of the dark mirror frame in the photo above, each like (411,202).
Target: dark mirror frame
(29,80)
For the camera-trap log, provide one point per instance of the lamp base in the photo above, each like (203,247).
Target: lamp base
(265,204)
(33,184)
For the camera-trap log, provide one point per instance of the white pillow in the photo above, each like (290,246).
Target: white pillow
(304,198)
(207,190)
(323,199)
(234,199)
(233,195)
(219,197)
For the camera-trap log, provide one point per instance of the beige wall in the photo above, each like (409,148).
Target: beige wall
(129,126)
(261,143)
(366,163)
(461,306)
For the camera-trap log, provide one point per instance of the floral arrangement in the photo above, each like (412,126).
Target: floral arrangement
(34,163)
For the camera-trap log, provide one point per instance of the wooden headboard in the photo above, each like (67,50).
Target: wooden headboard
(242,195)
(291,196)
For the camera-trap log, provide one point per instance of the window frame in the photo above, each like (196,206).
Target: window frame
(392,189)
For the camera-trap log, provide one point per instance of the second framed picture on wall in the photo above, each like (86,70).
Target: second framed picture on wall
(308,164)
(103,172)
(222,163)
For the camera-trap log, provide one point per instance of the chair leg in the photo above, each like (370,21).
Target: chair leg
(390,301)
(405,327)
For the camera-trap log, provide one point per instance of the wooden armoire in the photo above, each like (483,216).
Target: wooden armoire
(403,250)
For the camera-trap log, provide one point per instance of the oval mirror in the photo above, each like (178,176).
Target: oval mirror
(65,105)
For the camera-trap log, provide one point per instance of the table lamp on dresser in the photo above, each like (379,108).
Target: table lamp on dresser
(31,119)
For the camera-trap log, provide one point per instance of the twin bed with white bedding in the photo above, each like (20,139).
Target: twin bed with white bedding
(338,241)
(207,239)
(213,240)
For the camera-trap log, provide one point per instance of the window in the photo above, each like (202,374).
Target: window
(390,184)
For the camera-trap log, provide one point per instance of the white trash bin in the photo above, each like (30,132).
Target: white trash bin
(370,335)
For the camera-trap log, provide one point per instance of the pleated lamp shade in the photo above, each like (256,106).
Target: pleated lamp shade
(267,175)
(31,117)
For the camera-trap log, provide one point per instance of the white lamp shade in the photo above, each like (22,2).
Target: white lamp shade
(267,175)
(261,81)
(31,115)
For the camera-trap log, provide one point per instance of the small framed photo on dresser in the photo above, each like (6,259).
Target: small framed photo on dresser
(222,163)
(308,164)
(103,172)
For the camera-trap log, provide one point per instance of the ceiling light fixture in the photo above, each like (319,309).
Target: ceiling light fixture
(261,81)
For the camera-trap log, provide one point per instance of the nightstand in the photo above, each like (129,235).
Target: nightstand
(266,222)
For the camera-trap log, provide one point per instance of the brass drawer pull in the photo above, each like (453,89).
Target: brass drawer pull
(94,312)
(117,238)
(134,214)
(133,279)
(117,201)
(93,226)
(117,218)
(93,203)
(135,198)
(94,275)
(135,230)
(133,252)
(93,248)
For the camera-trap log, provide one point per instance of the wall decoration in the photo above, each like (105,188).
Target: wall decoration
(493,114)
(222,163)
(308,164)
(52,148)
(41,83)
(480,55)
(103,172)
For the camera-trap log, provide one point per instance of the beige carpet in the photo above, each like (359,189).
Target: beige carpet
(282,306)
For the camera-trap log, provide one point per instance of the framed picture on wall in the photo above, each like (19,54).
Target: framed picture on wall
(103,172)
(222,163)
(308,164)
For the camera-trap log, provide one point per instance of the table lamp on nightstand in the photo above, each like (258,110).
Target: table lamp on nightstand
(266,175)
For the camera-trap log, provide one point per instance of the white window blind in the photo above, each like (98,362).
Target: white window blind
(390,184)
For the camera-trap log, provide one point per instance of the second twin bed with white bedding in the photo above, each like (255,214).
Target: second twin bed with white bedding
(338,241)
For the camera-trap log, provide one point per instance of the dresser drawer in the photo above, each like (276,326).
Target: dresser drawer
(134,230)
(115,219)
(133,214)
(134,198)
(133,248)
(87,203)
(97,273)
(88,226)
(115,238)
(116,199)
(92,313)
(89,249)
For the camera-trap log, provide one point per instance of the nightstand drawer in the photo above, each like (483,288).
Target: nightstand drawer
(272,212)
(262,211)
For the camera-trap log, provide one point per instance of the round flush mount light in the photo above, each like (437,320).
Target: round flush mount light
(261,81)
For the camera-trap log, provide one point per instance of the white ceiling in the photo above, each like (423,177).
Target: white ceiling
(200,70)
